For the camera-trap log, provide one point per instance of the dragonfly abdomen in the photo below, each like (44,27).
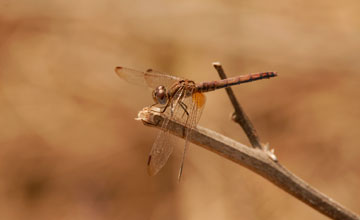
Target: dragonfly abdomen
(213,85)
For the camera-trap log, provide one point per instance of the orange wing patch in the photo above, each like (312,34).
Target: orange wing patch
(199,99)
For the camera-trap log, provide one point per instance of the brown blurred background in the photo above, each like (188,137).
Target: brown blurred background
(70,148)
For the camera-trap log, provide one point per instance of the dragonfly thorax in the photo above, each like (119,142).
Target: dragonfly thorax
(160,95)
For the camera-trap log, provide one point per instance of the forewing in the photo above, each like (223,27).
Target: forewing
(149,78)
(194,104)
(161,149)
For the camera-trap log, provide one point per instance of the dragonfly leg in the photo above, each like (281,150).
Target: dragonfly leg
(162,108)
(153,106)
(184,107)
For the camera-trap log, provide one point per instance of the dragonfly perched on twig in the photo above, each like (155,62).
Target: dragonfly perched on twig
(184,101)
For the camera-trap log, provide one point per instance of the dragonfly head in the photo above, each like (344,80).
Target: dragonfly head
(160,95)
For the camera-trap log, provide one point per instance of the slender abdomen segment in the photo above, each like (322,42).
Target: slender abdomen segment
(213,85)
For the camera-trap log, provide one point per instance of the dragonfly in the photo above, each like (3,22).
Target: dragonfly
(178,99)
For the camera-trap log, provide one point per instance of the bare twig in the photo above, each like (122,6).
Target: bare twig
(257,161)
(239,115)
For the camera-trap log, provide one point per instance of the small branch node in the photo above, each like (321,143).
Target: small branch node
(270,152)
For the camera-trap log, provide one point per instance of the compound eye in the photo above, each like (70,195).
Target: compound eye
(160,95)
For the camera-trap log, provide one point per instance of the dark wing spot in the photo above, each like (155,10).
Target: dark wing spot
(149,160)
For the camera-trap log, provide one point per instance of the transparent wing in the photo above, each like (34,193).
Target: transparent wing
(161,149)
(149,78)
(194,105)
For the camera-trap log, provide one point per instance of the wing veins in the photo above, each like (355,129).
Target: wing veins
(158,159)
